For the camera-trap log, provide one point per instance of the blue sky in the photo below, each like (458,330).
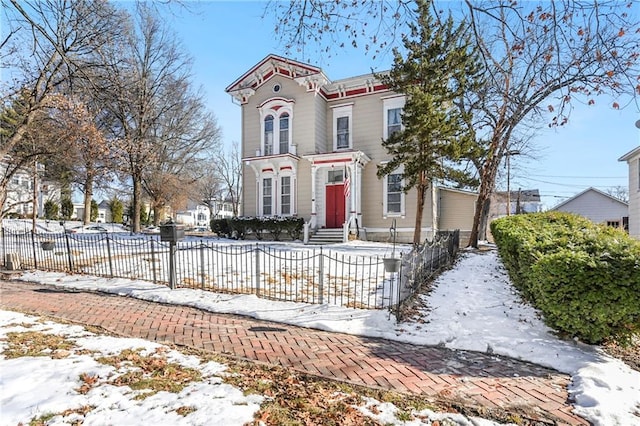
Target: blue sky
(226,38)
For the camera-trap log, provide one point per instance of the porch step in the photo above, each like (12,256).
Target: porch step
(326,236)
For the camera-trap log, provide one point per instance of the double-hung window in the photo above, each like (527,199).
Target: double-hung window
(268,135)
(392,115)
(267,196)
(394,120)
(284,133)
(285,195)
(342,132)
(393,202)
(342,127)
(276,117)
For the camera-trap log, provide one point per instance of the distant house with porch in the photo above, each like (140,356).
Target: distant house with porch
(311,147)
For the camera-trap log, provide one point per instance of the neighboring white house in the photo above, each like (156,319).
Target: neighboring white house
(20,191)
(311,148)
(200,215)
(632,158)
(104,212)
(598,207)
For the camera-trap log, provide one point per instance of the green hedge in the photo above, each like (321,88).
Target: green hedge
(260,227)
(585,278)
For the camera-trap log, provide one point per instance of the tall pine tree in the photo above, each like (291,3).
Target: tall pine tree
(438,66)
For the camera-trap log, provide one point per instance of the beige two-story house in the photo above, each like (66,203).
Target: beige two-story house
(311,147)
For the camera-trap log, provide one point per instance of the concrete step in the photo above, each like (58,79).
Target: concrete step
(326,236)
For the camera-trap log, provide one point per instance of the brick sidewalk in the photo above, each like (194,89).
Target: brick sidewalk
(478,378)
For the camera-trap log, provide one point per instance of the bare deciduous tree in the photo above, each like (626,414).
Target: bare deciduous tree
(230,170)
(620,192)
(186,138)
(50,42)
(137,93)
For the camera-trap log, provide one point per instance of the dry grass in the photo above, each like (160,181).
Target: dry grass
(150,373)
(35,343)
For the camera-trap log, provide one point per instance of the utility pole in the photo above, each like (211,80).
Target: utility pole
(508,155)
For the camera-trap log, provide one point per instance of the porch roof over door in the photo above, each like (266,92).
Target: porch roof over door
(353,156)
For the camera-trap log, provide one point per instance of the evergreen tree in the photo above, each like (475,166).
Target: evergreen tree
(438,67)
(51,210)
(117,210)
(94,211)
(66,207)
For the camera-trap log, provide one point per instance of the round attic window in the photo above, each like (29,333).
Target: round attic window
(276,88)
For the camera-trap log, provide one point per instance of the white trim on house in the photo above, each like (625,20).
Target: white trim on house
(355,161)
(274,167)
(277,108)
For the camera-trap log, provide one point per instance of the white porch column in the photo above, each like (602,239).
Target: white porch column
(314,218)
(358,192)
(258,192)
(354,189)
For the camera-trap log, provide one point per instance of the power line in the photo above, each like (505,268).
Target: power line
(582,177)
(569,185)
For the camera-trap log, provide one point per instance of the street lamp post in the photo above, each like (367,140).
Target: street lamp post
(508,155)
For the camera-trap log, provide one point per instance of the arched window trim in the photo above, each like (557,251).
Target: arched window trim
(276,107)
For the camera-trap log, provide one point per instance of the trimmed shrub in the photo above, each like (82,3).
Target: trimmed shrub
(585,278)
(221,227)
(260,227)
(293,226)
(239,227)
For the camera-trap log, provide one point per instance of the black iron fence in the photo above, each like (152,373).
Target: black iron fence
(295,273)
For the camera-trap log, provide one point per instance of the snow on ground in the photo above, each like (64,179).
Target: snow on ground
(472,307)
(37,386)
(47,387)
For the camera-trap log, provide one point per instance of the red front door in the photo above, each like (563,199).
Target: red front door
(334,206)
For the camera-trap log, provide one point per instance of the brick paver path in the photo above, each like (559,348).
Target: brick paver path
(476,378)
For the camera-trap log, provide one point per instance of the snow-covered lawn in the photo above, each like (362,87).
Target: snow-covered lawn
(473,307)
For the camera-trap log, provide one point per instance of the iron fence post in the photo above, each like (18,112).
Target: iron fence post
(109,256)
(257,277)
(172,264)
(33,244)
(153,261)
(431,250)
(321,277)
(69,258)
(202,265)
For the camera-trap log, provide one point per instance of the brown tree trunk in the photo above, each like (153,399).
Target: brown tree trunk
(137,202)
(487,183)
(484,219)
(88,195)
(421,187)
(35,196)
(157,211)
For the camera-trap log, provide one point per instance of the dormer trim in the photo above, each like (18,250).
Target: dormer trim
(310,77)
(272,66)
